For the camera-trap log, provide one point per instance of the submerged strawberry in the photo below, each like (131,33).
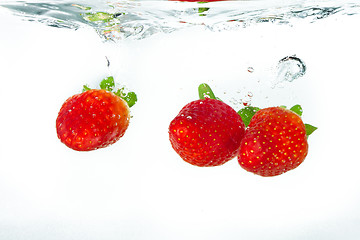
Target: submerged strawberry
(93,119)
(275,142)
(206,132)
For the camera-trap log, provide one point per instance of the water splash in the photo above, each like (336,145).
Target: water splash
(289,69)
(250,69)
(116,20)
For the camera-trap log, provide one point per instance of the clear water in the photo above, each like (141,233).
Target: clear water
(262,53)
(115,20)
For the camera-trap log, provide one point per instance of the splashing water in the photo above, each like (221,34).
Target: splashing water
(289,69)
(115,20)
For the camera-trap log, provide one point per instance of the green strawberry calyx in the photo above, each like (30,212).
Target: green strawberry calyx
(108,84)
(247,113)
(206,92)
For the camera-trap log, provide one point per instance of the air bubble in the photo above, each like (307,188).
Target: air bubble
(250,69)
(289,69)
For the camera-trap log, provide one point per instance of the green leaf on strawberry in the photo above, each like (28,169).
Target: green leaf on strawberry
(247,113)
(297,109)
(205,91)
(108,84)
(309,129)
(130,97)
(86,88)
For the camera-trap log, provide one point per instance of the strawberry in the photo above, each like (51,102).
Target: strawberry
(275,142)
(206,132)
(95,118)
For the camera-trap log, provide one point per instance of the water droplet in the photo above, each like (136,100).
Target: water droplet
(289,69)
(250,69)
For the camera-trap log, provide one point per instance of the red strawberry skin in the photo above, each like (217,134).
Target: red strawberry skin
(92,119)
(275,142)
(206,132)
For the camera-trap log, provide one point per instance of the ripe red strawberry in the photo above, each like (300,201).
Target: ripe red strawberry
(275,142)
(206,132)
(91,120)
(95,118)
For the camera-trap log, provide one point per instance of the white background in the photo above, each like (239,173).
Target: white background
(139,188)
